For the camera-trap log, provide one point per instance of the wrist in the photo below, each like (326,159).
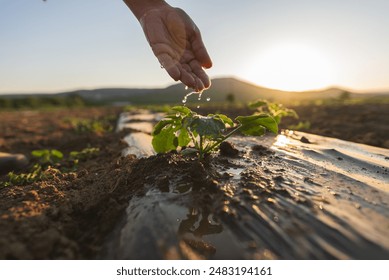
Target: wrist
(141,7)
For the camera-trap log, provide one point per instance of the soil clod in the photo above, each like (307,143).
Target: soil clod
(227,149)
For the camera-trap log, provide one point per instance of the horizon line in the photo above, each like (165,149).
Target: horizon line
(351,90)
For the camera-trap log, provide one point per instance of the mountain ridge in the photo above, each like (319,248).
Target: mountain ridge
(221,89)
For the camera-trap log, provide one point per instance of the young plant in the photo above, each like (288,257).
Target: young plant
(36,173)
(84,154)
(206,133)
(49,164)
(276,110)
(97,126)
(47,157)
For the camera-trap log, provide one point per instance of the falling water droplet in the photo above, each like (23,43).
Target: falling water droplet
(200,94)
(198,106)
(186,87)
(186,96)
(209,99)
(177,115)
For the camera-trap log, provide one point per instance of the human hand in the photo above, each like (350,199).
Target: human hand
(176,42)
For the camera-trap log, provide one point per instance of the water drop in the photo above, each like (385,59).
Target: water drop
(186,96)
(177,115)
(186,87)
(208,99)
(198,106)
(161,66)
(173,126)
(200,94)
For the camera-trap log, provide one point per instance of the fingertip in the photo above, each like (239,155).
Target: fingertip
(207,82)
(187,79)
(199,85)
(207,63)
(200,51)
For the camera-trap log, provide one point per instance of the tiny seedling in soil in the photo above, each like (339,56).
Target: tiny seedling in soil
(276,110)
(90,125)
(183,127)
(47,157)
(48,164)
(83,155)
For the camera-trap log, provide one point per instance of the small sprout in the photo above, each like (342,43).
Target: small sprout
(47,157)
(43,169)
(277,111)
(97,126)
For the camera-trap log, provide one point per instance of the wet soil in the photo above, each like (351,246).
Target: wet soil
(72,214)
(261,204)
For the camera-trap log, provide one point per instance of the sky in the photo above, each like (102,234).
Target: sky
(61,45)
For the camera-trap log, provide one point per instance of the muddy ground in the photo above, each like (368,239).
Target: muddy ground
(69,215)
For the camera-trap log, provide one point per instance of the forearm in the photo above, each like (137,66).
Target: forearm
(140,7)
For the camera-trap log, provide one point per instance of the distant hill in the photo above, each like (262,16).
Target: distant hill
(220,89)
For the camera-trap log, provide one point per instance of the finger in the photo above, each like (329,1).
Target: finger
(186,76)
(200,51)
(199,85)
(170,66)
(200,73)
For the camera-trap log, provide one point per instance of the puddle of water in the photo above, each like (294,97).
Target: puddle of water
(235,172)
(139,144)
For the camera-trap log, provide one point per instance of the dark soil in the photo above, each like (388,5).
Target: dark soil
(64,217)
(69,215)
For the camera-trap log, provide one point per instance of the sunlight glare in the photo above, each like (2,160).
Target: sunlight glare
(292,67)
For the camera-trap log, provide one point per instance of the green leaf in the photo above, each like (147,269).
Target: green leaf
(183,137)
(39,153)
(223,118)
(255,125)
(258,103)
(209,127)
(160,125)
(182,109)
(164,141)
(56,154)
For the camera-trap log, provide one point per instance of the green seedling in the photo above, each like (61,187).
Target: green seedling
(36,174)
(183,127)
(83,155)
(47,157)
(301,126)
(276,110)
(44,168)
(90,125)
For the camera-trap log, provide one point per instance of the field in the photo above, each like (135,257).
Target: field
(71,211)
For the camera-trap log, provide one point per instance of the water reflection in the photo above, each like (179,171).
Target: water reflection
(198,223)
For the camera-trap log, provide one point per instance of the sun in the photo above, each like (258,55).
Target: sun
(292,67)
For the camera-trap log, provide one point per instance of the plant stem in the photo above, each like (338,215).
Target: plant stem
(201,148)
(221,140)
